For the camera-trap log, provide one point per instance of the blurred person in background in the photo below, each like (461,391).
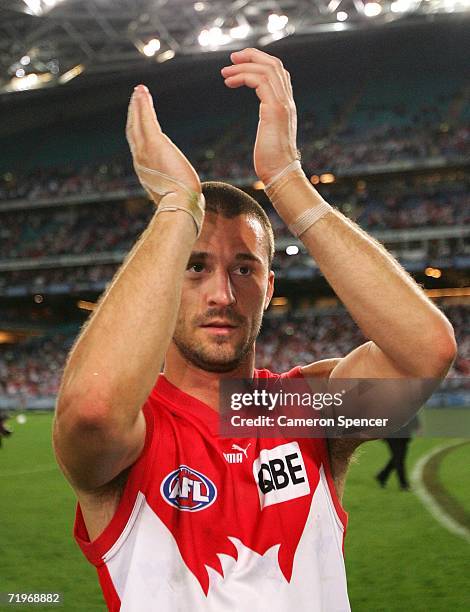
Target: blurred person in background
(399,449)
(5,432)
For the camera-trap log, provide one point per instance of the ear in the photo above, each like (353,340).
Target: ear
(269,290)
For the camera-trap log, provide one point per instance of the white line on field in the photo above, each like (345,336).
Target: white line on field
(39,468)
(426,497)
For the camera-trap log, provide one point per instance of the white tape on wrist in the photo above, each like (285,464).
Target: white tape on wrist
(196,212)
(295,165)
(157,181)
(308,218)
(158,185)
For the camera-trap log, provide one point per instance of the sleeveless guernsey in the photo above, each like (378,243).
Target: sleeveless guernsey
(217,524)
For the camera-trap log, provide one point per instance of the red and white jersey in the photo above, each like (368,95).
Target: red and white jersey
(214,524)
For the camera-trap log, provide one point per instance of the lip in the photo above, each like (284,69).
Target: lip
(219,327)
(219,324)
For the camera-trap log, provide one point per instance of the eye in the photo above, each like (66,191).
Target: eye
(196,267)
(243,270)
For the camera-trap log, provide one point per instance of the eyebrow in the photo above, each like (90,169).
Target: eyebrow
(239,256)
(199,255)
(247,257)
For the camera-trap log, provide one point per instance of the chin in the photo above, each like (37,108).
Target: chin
(219,367)
(217,360)
(224,362)
(220,355)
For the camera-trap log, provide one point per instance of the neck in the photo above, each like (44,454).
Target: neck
(200,383)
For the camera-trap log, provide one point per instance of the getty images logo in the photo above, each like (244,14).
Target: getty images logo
(187,489)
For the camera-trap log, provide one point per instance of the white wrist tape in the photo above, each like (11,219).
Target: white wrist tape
(157,185)
(194,212)
(308,218)
(295,165)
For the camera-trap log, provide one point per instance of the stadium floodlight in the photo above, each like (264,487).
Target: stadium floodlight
(452,6)
(165,56)
(372,9)
(34,6)
(276,22)
(151,47)
(71,74)
(213,37)
(40,7)
(203,38)
(240,32)
(292,249)
(104,35)
(403,6)
(29,81)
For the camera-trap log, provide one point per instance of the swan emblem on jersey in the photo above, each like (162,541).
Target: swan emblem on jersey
(188,489)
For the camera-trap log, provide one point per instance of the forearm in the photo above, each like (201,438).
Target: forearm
(383,299)
(115,361)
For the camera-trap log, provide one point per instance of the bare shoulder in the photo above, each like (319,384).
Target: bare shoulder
(340,450)
(321,368)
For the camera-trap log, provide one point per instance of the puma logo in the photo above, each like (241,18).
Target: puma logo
(242,450)
(237,457)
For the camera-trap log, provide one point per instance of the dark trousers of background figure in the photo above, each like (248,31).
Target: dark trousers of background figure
(399,450)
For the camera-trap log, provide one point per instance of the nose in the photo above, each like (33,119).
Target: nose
(219,290)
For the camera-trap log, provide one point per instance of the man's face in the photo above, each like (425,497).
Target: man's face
(226,288)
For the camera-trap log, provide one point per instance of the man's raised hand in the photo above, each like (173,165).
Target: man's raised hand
(275,146)
(160,165)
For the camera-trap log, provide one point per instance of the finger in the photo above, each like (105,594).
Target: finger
(133,132)
(259,82)
(289,83)
(263,70)
(130,115)
(250,54)
(145,112)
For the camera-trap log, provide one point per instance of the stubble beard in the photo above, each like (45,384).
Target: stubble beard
(216,355)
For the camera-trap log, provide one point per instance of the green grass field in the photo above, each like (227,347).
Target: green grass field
(398,557)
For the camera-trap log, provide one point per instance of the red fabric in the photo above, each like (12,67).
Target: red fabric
(136,481)
(109,592)
(187,434)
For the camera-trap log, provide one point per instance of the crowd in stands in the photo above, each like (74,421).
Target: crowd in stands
(33,368)
(330,140)
(71,230)
(52,183)
(344,152)
(337,154)
(115,226)
(75,277)
(96,276)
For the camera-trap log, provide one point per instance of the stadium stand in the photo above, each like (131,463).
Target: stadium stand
(390,148)
(32,368)
(115,225)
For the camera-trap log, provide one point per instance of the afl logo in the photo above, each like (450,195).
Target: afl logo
(187,489)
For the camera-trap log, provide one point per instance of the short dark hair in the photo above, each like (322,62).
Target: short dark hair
(229,201)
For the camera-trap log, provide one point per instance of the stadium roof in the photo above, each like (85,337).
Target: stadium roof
(49,42)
